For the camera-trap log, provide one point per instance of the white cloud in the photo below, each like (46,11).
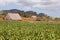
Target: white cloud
(41,4)
(5,2)
(26,8)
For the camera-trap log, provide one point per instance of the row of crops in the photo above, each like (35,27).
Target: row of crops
(14,30)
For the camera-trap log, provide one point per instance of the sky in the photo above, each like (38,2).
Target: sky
(49,7)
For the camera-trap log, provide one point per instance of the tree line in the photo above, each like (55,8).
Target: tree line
(23,13)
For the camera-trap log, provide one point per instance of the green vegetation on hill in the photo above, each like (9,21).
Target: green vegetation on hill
(15,30)
(22,13)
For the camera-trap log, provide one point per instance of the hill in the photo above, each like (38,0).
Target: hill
(23,13)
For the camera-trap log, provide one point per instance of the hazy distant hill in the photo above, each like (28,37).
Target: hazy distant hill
(11,11)
(23,13)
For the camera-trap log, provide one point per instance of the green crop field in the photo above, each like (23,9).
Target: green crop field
(15,30)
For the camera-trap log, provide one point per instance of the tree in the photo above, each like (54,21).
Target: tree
(42,15)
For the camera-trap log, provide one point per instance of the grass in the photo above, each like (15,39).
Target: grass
(15,30)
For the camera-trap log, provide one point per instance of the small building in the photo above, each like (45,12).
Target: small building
(12,16)
(34,18)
